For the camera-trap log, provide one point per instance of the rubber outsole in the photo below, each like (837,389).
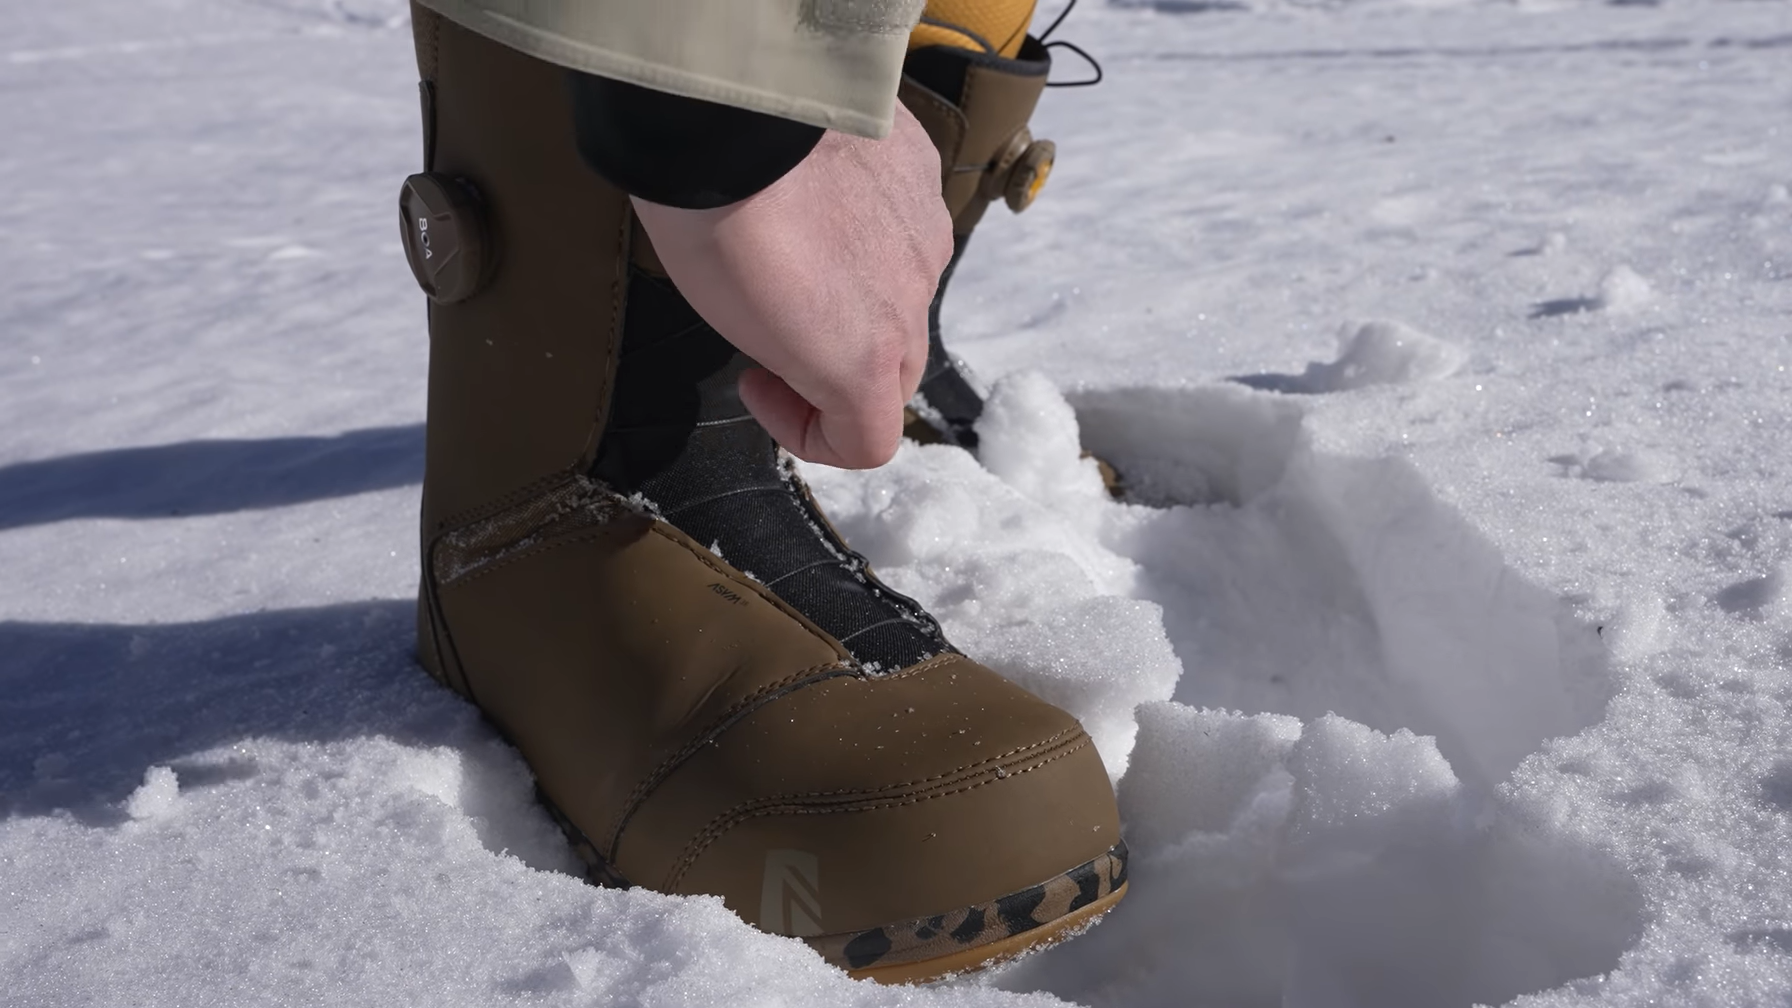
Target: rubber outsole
(978,957)
(993,953)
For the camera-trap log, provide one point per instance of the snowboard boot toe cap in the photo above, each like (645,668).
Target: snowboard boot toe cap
(873,805)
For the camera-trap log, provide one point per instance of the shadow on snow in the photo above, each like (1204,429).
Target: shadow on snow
(209,477)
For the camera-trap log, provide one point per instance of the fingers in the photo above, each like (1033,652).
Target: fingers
(846,438)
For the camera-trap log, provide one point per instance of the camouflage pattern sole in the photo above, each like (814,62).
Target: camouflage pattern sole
(929,948)
(999,951)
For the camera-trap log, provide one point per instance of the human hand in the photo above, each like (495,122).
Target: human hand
(824,278)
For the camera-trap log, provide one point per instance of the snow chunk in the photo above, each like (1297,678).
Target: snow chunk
(1554,243)
(1624,292)
(1357,787)
(1382,353)
(1640,627)
(1028,438)
(158,798)
(1614,465)
(1196,771)
(1097,658)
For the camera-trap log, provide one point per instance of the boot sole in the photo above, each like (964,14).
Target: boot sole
(994,953)
(1008,916)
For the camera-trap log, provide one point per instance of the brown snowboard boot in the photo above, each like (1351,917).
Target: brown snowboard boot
(799,741)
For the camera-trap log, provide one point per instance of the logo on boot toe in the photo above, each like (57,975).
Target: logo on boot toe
(790,901)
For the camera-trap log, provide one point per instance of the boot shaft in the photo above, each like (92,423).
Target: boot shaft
(975,106)
(520,373)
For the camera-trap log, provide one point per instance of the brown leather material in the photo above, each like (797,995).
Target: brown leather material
(693,731)
(945,125)
(519,374)
(622,646)
(975,133)
(912,776)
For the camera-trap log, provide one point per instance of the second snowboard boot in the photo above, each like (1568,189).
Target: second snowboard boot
(972,78)
(799,741)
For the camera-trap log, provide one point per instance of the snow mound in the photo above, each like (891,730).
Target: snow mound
(1011,560)
(158,798)
(1384,353)
(1316,583)
(1318,821)
(1329,864)
(1623,291)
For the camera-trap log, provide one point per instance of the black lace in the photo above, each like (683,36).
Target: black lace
(1045,39)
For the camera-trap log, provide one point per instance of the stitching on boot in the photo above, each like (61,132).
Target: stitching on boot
(870,799)
(504,502)
(453,670)
(606,382)
(545,521)
(1062,738)
(952,113)
(519,550)
(965,101)
(721,723)
(722,824)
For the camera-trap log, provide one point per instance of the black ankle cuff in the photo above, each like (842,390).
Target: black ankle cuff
(678,151)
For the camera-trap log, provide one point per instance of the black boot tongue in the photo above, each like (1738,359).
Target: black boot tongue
(680,437)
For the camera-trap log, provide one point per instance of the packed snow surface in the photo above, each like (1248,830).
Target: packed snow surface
(1439,651)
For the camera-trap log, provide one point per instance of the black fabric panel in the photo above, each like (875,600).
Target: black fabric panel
(763,544)
(939,69)
(937,360)
(901,645)
(678,151)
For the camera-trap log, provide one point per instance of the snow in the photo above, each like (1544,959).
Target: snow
(1377,353)
(1440,654)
